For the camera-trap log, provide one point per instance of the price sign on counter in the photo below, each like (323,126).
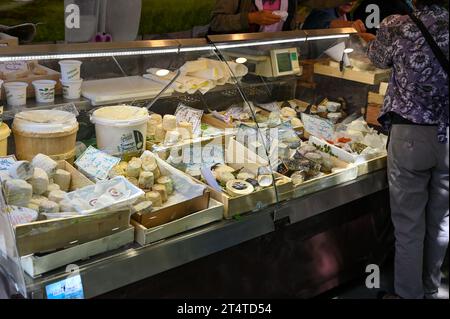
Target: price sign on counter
(96,164)
(69,288)
(318,127)
(188,114)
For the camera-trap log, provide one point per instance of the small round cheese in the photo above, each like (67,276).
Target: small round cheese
(169,123)
(167,182)
(162,190)
(146,180)
(155,198)
(160,133)
(57,196)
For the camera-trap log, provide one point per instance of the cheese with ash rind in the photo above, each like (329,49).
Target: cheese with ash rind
(18,192)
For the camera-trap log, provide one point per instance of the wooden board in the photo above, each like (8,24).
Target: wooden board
(37,265)
(366,77)
(51,75)
(373,113)
(145,236)
(174,212)
(375,98)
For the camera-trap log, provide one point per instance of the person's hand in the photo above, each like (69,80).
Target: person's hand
(367,36)
(263,18)
(359,26)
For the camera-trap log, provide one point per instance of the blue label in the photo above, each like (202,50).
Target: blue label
(69,288)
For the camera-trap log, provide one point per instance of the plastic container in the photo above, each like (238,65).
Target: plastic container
(120,129)
(5,132)
(44,91)
(49,132)
(70,70)
(16,93)
(71,89)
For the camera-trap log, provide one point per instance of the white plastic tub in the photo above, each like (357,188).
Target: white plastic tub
(71,89)
(44,91)
(16,93)
(120,129)
(70,70)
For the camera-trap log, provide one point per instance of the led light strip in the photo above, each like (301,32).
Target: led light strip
(161,51)
(259,43)
(328,37)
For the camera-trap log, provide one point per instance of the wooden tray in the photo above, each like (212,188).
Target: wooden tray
(50,235)
(349,172)
(258,199)
(173,212)
(37,265)
(51,75)
(366,77)
(145,236)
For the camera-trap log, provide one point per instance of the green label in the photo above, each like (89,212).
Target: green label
(294,56)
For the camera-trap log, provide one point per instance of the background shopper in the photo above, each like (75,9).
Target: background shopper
(416,111)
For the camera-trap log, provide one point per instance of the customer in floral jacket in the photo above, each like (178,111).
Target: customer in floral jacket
(416,111)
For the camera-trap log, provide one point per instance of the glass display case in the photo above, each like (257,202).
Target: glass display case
(186,141)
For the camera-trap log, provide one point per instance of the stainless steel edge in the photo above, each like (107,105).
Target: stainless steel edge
(311,205)
(122,269)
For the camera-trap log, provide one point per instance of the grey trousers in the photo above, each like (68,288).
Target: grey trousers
(418,178)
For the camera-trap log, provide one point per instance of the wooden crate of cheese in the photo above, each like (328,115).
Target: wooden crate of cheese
(239,157)
(55,234)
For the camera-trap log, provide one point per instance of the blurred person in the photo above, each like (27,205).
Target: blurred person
(240,16)
(416,112)
(338,17)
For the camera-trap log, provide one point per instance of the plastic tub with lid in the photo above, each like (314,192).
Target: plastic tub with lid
(49,132)
(120,129)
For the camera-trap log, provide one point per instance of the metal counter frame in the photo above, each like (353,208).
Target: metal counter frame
(115,270)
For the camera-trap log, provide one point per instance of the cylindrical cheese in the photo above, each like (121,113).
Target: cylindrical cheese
(149,164)
(186,130)
(169,122)
(38,199)
(134,168)
(157,118)
(239,188)
(57,196)
(160,133)
(49,207)
(39,181)
(225,177)
(21,170)
(161,189)
(46,163)
(167,182)
(156,173)
(172,137)
(117,171)
(63,179)
(146,180)
(51,188)
(155,198)
(244,176)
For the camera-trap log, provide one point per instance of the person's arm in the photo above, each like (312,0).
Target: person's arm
(381,49)
(225,19)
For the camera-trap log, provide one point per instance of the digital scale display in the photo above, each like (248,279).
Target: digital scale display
(284,62)
(69,288)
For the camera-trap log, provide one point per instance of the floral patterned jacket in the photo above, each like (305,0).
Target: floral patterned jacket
(418,89)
